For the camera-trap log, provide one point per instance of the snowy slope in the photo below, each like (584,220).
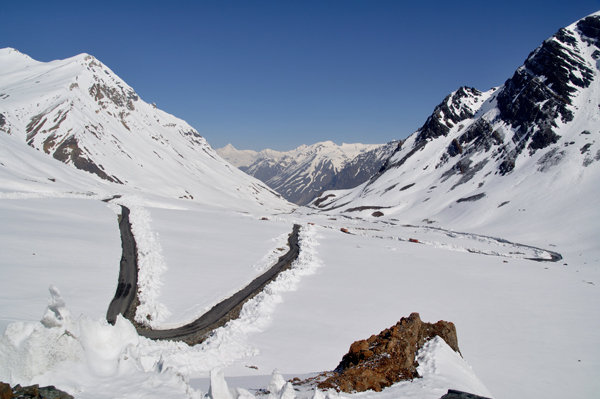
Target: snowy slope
(300,174)
(78,112)
(528,150)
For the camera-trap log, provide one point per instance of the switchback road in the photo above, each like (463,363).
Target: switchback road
(125,300)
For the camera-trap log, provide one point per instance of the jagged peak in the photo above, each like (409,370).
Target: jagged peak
(456,107)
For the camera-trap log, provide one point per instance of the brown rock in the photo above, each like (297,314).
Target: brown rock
(389,357)
(50,392)
(5,391)
(32,391)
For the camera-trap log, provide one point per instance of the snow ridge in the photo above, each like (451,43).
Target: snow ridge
(151,265)
(230,343)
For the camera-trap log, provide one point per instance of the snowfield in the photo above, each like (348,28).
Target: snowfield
(518,320)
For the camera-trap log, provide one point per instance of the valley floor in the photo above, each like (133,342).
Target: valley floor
(527,328)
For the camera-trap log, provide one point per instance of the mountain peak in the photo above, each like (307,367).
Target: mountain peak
(300,174)
(501,146)
(77,111)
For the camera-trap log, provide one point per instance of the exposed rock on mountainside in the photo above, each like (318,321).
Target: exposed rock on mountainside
(482,149)
(389,357)
(301,174)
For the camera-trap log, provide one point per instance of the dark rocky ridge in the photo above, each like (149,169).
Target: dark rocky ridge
(69,150)
(540,91)
(447,114)
(529,106)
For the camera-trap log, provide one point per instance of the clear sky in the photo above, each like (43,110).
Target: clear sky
(277,74)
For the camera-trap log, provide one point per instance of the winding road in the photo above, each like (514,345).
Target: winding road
(125,300)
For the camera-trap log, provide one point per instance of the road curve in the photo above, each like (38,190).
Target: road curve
(229,309)
(125,301)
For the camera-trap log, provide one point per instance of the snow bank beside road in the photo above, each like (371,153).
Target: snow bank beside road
(151,265)
(79,355)
(230,343)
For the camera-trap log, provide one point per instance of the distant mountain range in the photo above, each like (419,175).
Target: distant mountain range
(528,147)
(479,155)
(301,174)
(77,113)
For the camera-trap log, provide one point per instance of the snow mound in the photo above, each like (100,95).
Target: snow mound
(81,356)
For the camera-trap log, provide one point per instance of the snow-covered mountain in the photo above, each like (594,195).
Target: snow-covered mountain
(78,113)
(245,158)
(301,174)
(527,150)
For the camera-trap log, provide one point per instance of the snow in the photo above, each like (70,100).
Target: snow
(521,321)
(211,254)
(130,141)
(303,162)
(525,328)
(67,242)
(117,351)
(325,150)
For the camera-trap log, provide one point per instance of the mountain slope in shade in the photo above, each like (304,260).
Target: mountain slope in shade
(526,151)
(78,112)
(301,174)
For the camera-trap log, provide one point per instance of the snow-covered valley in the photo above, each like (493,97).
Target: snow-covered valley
(518,320)
(517,270)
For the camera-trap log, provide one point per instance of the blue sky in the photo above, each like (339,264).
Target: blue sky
(277,74)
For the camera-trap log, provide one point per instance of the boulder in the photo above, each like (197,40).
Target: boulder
(454,394)
(5,391)
(31,392)
(389,357)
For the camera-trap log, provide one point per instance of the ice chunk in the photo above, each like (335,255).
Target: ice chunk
(277,382)
(287,392)
(218,387)
(318,394)
(56,312)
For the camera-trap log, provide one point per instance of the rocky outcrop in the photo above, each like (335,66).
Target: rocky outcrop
(454,394)
(389,357)
(32,392)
